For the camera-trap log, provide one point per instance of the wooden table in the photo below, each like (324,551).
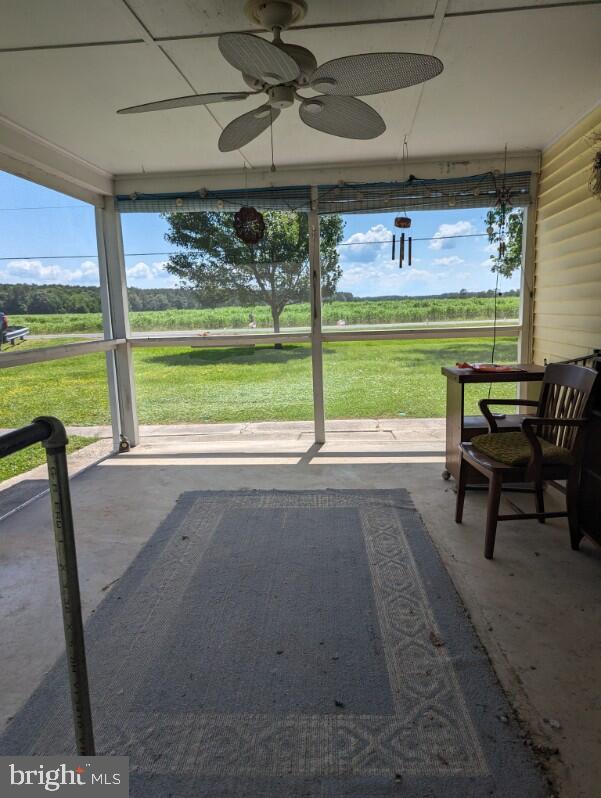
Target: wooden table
(463,428)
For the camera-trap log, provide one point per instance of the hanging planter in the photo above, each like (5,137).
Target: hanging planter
(249,225)
(404,222)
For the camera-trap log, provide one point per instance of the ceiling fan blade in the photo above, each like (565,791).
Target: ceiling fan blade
(258,58)
(185,102)
(346,117)
(372,73)
(247,127)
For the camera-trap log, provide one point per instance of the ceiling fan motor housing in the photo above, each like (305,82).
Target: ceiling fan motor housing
(272,14)
(280,96)
(307,63)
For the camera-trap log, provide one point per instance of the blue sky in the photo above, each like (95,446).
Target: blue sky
(47,237)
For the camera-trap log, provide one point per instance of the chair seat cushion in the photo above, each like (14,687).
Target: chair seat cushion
(513,449)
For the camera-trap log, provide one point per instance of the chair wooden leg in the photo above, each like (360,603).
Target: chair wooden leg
(492,513)
(540,500)
(572,508)
(461,486)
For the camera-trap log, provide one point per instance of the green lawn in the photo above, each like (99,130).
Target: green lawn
(35,456)
(363,379)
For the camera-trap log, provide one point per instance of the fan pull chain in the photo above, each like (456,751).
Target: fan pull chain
(271,138)
(405,162)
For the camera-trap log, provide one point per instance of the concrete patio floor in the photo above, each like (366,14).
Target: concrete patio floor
(536,607)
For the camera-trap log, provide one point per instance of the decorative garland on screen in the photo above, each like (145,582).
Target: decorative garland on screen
(249,225)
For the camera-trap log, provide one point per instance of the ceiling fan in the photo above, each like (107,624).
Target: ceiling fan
(279,70)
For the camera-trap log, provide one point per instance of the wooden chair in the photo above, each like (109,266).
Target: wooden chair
(548,447)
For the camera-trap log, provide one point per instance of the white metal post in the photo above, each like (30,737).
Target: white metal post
(115,309)
(107,326)
(525,342)
(316,339)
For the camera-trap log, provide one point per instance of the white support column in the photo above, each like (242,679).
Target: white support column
(107,326)
(113,294)
(525,342)
(316,339)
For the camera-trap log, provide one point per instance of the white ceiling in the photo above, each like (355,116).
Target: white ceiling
(517,77)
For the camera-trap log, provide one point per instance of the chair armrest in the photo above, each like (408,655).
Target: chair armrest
(483,404)
(528,428)
(536,421)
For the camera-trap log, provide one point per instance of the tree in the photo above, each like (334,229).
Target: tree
(275,272)
(505,264)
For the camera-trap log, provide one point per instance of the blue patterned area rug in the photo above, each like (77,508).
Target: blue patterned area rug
(284,644)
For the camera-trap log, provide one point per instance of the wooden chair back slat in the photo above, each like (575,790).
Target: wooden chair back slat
(566,394)
(569,393)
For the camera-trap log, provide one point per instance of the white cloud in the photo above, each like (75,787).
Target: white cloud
(140,271)
(144,273)
(34,271)
(378,232)
(365,247)
(450,260)
(443,237)
(374,280)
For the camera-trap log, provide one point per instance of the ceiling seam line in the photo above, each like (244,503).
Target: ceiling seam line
(149,39)
(206,107)
(68,46)
(325,25)
(147,35)
(388,20)
(433,38)
(315,26)
(528,7)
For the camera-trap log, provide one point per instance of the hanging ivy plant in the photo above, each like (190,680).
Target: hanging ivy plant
(595,178)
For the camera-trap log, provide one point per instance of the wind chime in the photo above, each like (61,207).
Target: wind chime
(403,222)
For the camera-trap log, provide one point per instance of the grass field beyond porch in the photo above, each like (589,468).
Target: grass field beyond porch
(371,379)
(34,456)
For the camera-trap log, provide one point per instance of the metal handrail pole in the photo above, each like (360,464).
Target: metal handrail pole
(64,538)
(21,438)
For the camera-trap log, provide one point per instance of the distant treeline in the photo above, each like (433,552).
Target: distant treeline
(49,299)
(345,296)
(22,298)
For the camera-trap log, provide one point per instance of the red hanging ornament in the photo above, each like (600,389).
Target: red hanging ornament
(249,225)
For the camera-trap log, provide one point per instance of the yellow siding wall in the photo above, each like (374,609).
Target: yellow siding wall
(567,278)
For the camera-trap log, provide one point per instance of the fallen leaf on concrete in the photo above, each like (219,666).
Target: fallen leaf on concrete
(554,724)
(546,751)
